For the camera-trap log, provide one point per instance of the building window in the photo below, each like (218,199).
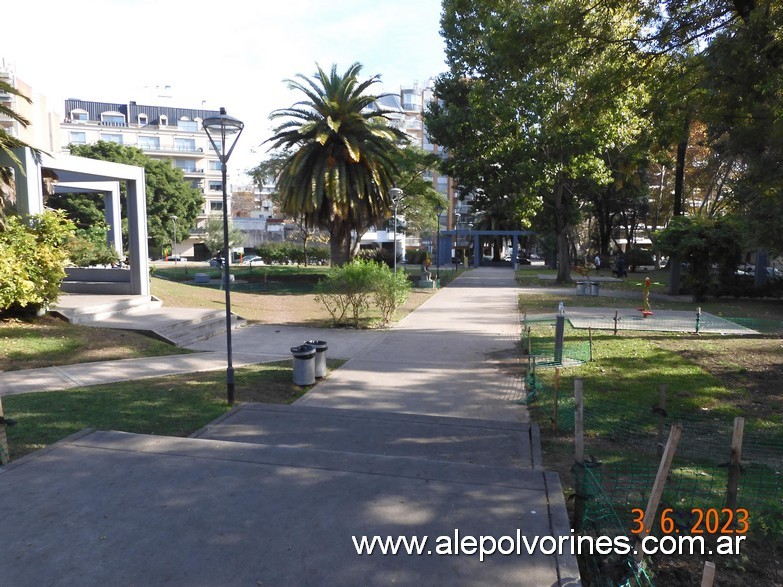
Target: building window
(80,115)
(149,143)
(111,138)
(164,120)
(113,119)
(185,144)
(215,206)
(78,138)
(215,166)
(185,164)
(216,186)
(143,120)
(187,125)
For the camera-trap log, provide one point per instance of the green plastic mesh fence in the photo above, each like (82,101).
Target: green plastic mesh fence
(622,451)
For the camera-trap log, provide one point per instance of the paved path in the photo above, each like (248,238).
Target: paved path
(416,435)
(456,355)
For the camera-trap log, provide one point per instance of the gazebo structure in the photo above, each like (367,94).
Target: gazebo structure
(80,175)
(450,239)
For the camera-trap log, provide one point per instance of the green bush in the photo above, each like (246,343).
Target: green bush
(638,257)
(33,256)
(88,247)
(346,292)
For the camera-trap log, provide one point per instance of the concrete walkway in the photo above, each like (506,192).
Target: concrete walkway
(417,435)
(456,355)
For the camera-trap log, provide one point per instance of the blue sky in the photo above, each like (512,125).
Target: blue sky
(232,53)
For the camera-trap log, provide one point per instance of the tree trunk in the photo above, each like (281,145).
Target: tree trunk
(679,185)
(563,258)
(340,244)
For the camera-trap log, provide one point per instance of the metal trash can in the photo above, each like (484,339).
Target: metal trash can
(581,288)
(304,364)
(320,356)
(595,288)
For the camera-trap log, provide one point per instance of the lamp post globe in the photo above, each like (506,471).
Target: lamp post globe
(223,133)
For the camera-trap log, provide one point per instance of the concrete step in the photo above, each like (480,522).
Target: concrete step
(437,438)
(80,309)
(146,314)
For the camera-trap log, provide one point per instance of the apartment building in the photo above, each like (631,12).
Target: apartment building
(163,132)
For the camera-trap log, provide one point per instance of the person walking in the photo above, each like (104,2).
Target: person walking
(597,262)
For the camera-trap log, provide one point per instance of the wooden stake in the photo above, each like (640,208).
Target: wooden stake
(708,576)
(661,418)
(616,320)
(734,463)
(5,455)
(579,449)
(590,338)
(579,425)
(658,485)
(557,385)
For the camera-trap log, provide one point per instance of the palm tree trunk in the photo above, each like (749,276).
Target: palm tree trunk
(340,244)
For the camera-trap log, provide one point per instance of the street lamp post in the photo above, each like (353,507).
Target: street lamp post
(467,247)
(439,210)
(223,132)
(396,196)
(457,217)
(174,240)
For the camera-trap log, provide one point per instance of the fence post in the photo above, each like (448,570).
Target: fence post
(5,454)
(658,484)
(557,386)
(559,338)
(708,576)
(579,455)
(698,320)
(734,463)
(661,409)
(616,320)
(590,339)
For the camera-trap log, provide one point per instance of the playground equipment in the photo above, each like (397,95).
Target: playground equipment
(645,309)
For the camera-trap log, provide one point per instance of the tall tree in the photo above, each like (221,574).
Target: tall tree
(342,164)
(168,193)
(8,143)
(557,88)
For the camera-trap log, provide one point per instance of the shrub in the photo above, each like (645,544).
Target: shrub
(348,290)
(32,259)
(88,247)
(391,291)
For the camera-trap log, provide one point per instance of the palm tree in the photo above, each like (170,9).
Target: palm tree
(341,165)
(9,142)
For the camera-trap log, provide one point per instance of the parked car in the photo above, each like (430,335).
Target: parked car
(216,262)
(252,260)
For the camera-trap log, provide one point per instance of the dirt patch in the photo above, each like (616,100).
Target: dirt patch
(752,366)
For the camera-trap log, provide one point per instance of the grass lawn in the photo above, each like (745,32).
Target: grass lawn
(709,379)
(47,341)
(176,405)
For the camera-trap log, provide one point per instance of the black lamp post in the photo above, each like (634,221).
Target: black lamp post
(439,209)
(396,197)
(223,132)
(174,240)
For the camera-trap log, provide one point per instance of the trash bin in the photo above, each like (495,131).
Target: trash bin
(320,356)
(304,364)
(595,288)
(581,288)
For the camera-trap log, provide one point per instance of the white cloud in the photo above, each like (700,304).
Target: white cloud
(231,53)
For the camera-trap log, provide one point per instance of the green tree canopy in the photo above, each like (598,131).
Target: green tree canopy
(342,163)
(537,93)
(168,194)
